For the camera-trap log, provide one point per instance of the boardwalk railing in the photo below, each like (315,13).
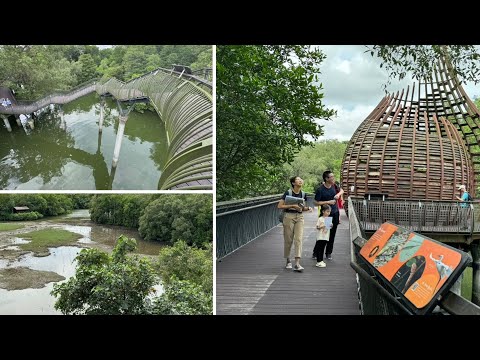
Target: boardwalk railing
(375,298)
(63,97)
(241,221)
(418,215)
(184,103)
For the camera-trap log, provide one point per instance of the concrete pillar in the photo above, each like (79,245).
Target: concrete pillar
(100,124)
(99,142)
(118,142)
(31,124)
(112,177)
(475,249)
(19,123)
(7,123)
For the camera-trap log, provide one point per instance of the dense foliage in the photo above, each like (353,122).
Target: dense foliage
(179,217)
(119,284)
(311,162)
(268,99)
(122,210)
(113,284)
(187,263)
(33,71)
(42,204)
(163,217)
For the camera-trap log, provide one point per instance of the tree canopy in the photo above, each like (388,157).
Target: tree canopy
(268,100)
(123,284)
(33,71)
(419,60)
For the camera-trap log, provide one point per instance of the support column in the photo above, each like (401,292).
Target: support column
(30,122)
(63,124)
(19,123)
(118,142)
(7,123)
(99,142)
(475,249)
(100,124)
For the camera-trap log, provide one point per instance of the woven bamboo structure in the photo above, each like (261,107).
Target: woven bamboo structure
(420,143)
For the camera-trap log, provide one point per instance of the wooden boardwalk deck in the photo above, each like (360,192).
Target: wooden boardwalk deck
(253,279)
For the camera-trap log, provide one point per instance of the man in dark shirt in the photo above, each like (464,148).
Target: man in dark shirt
(326,194)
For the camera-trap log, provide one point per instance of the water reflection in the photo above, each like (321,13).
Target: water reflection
(66,150)
(62,261)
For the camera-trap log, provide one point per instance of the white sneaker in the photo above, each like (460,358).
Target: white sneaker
(289,265)
(321,264)
(298,268)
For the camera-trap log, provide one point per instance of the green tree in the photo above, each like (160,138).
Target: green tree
(171,218)
(184,262)
(182,297)
(267,102)
(114,284)
(81,201)
(419,60)
(312,161)
(88,68)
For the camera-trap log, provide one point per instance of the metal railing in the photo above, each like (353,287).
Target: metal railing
(60,97)
(241,221)
(374,297)
(184,103)
(418,215)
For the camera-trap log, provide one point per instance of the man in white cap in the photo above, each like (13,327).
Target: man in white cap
(464,214)
(465,197)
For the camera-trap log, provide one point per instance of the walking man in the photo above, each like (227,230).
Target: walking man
(327,195)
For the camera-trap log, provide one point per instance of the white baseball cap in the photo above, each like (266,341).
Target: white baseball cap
(461,187)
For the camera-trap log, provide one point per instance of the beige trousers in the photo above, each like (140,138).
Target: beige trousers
(293,233)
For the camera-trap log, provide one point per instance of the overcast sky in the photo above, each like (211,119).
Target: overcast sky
(352,84)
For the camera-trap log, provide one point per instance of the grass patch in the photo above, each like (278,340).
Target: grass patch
(8,226)
(41,240)
(467,283)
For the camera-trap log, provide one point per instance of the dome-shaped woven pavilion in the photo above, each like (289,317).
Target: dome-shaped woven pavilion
(417,144)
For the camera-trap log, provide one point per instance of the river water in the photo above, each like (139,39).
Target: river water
(61,259)
(68,152)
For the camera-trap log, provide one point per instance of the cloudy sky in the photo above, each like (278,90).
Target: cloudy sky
(352,84)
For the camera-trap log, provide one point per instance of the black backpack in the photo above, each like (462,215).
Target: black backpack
(469,197)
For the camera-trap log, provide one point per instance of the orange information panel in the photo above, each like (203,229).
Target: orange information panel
(418,267)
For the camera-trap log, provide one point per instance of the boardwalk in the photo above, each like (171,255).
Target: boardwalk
(253,280)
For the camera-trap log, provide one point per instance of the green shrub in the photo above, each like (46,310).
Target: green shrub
(24,216)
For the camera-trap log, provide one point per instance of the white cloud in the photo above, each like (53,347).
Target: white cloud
(345,123)
(352,83)
(343,66)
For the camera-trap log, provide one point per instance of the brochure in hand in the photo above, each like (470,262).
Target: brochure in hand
(292,200)
(328,222)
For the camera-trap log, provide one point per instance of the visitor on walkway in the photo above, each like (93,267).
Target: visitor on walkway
(327,195)
(324,224)
(464,211)
(293,222)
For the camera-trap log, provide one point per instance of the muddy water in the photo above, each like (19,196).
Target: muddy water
(61,259)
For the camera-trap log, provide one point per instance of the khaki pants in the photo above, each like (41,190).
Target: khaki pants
(293,233)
